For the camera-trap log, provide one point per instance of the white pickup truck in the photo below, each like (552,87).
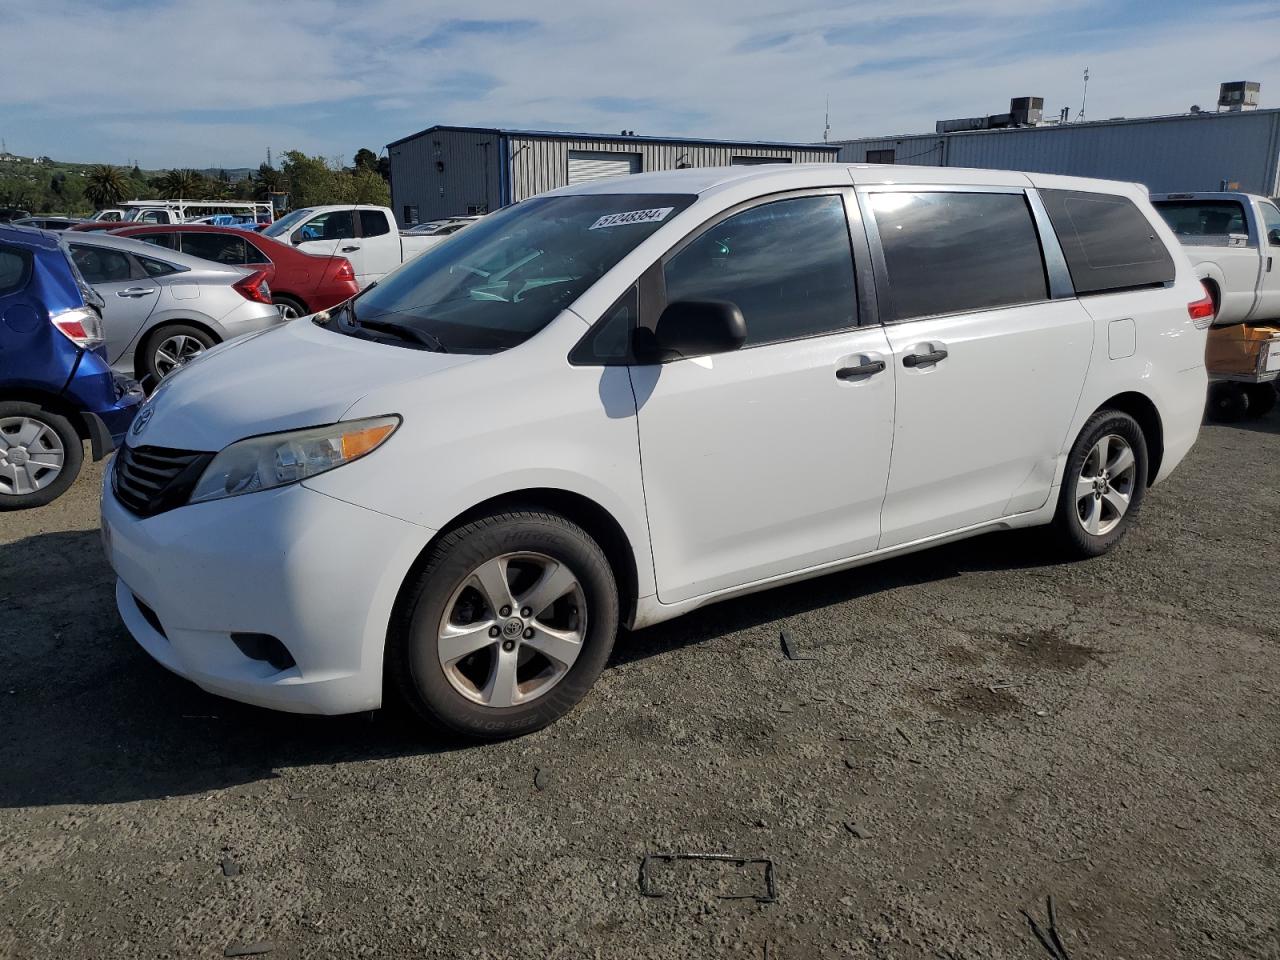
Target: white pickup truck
(365,235)
(1233,239)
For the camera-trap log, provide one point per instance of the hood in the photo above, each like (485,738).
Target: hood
(291,376)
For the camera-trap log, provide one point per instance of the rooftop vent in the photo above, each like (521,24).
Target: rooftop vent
(1238,95)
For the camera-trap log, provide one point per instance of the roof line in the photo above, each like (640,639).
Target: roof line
(619,138)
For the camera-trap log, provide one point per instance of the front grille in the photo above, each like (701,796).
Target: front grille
(151,480)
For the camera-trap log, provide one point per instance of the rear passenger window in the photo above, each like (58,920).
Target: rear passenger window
(101,265)
(157,268)
(373,223)
(956,252)
(1214,219)
(15,265)
(218,247)
(787,265)
(1108,242)
(165,240)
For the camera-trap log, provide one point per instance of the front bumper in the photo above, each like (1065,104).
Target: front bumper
(318,573)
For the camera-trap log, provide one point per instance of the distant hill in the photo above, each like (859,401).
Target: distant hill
(236,174)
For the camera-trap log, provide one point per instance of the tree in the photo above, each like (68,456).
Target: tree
(266,182)
(183,184)
(366,159)
(370,188)
(311,181)
(104,186)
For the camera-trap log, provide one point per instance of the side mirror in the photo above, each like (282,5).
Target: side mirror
(698,328)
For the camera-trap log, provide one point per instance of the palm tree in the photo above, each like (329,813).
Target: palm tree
(266,182)
(182,184)
(104,186)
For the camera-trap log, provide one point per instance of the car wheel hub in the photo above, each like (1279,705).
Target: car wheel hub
(31,455)
(498,660)
(1105,485)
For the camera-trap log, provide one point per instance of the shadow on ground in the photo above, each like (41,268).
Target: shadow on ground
(89,718)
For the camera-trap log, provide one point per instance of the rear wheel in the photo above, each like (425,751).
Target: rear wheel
(40,455)
(1103,486)
(505,627)
(170,347)
(1262,398)
(1228,402)
(290,309)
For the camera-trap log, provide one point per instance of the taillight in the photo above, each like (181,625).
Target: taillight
(81,326)
(254,287)
(343,270)
(1202,311)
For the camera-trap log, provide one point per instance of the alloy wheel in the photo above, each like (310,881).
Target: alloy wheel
(287,310)
(1104,488)
(176,351)
(512,630)
(31,455)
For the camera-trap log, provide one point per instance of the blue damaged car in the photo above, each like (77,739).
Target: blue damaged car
(57,392)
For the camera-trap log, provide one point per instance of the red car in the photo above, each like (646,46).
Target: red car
(301,283)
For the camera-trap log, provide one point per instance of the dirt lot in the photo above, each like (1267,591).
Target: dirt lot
(978,728)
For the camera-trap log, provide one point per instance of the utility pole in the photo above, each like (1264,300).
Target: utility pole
(826,123)
(1085,98)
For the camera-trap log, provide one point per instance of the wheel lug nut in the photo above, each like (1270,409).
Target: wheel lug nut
(505,612)
(528,634)
(508,645)
(494,631)
(525,612)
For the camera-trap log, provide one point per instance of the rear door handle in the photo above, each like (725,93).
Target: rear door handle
(936,355)
(135,292)
(351,249)
(864,369)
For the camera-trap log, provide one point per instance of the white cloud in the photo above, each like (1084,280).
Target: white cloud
(331,77)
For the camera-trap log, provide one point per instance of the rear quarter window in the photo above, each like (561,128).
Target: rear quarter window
(1108,242)
(15,269)
(1203,221)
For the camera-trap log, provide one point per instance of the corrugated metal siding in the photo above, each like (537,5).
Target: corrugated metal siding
(416,180)
(1165,153)
(542,163)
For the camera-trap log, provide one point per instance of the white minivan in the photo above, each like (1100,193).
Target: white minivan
(616,402)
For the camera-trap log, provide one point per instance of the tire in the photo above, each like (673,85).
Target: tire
(290,307)
(1228,402)
(1262,398)
(43,437)
(1089,524)
(169,347)
(448,608)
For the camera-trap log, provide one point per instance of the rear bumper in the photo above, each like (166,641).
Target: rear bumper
(249,317)
(107,404)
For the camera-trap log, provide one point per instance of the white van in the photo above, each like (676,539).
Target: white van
(619,401)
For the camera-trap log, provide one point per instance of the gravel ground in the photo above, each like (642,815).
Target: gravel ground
(978,728)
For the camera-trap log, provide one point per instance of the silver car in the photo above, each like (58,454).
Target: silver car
(162,307)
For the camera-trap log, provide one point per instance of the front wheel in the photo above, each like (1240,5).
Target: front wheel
(506,625)
(40,455)
(1103,486)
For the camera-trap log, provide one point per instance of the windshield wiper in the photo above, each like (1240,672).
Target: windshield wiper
(421,337)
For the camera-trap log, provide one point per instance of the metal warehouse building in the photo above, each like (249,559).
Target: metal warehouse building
(449,171)
(1191,151)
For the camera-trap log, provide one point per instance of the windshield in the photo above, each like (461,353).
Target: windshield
(286,223)
(501,280)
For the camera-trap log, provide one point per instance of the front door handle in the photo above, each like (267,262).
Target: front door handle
(133,292)
(351,249)
(933,356)
(864,369)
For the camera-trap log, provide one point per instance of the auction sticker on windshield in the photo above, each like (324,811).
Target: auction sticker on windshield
(653,215)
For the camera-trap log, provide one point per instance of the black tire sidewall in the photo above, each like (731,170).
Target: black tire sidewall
(1228,402)
(421,678)
(149,370)
(1074,537)
(1262,398)
(71,443)
(283,300)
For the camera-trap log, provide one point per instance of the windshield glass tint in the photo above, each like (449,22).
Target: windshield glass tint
(286,223)
(504,278)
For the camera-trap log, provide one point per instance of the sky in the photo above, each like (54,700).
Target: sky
(215,83)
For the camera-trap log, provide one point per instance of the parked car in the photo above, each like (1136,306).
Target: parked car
(46,223)
(164,308)
(1028,347)
(9,214)
(365,235)
(96,226)
(300,283)
(56,390)
(109,214)
(1233,241)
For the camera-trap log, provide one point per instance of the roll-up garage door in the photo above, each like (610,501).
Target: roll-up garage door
(585,166)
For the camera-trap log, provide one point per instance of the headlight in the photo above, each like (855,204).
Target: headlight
(279,459)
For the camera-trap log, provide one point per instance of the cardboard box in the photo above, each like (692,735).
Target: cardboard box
(1243,350)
